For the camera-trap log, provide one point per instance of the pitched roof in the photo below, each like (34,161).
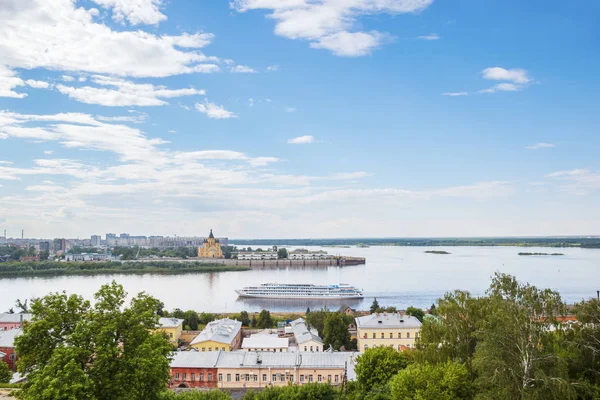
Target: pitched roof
(387,320)
(221,331)
(170,322)
(7,338)
(14,318)
(302,333)
(262,341)
(264,359)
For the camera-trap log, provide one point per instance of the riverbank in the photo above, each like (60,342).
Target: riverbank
(55,268)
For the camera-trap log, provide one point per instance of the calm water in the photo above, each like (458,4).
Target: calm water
(397,276)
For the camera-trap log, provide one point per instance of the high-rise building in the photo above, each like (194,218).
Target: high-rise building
(60,245)
(45,247)
(96,240)
(111,239)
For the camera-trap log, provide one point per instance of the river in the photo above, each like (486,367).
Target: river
(397,276)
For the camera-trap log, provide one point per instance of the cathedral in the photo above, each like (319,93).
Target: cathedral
(211,248)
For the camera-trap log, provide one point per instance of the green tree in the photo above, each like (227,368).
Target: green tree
(191,319)
(253,322)
(585,365)
(196,395)
(5,372)
(22,306)
(374,306)
(416,312)
(264,320)
(73,350)
(335,332)
(445,381)
(376,366)
(245,318)
(310,391)
(282,253)
(515,356)
(316,319)
(432,310)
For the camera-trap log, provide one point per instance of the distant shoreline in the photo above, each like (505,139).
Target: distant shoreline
(52,268)
(541,254)
(574,242)
(436,252)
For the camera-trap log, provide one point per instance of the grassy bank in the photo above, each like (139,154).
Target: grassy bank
(53,268)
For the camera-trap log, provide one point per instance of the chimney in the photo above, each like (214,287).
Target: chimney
(598,294)
(21,321)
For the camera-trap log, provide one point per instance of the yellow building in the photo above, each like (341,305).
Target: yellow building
(211,248)
(387,329)
(172,328)
(223,334)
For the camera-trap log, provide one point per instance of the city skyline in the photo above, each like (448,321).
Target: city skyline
(272,119)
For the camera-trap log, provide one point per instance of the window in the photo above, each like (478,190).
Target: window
(171,335)
(373,335)
(408,335)
(311,348)
(282,378)
(193,377)
(382,335)
(329,378)
(237,377)
(247,378)
(399,335)
(336,378)
(220,377)
(223,348)
(203,349)
(228,377)
(391,335)
(210,349)
(416,335)
(13,356)
(310,378)
(301,378)
(274,378)
(304,348)
(264,377)
(176,376)
(183,377)
(255,378)
(319,378)
(210,377)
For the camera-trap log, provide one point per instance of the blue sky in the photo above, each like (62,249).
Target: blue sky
(297,118)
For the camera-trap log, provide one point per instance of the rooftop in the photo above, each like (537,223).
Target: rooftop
(302,333)
(262,359)
(387,320)
(221,331)
(170,322)
(265,341)
(14,318)
(7,338)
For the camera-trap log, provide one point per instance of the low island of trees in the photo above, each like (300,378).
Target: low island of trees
(437,252)
(541,254)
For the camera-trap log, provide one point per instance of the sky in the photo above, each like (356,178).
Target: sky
(299,118)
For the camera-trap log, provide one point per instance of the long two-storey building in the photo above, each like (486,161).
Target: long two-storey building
(387,329)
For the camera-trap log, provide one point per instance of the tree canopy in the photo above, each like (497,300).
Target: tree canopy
(5,372)
(335,332)
(376,366)
(75,350)
(444,381)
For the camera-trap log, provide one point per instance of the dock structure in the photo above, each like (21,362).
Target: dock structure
(284,263)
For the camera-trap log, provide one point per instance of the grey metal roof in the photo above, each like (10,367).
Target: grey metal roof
(302,333)
(7,338)
(170,322)
(261,341)
(194,359)
(387,320)
(2,355)
(250,359)
(14,318)
(221,331)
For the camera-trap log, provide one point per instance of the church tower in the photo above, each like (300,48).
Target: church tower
(211,248)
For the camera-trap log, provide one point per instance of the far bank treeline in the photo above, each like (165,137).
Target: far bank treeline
(50,268)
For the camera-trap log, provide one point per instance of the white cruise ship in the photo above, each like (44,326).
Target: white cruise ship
(300,291)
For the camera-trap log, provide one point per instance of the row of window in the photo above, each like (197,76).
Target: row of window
(391,335)
(211,349)
(254,378)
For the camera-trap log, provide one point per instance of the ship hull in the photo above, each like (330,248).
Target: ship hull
(299,297)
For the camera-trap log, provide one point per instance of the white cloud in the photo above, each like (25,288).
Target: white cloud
(186,40)
(126,93)
(273,68)
(214,111)
(291,109)
(517,75)
(61,36)
(67,78)
(502,87)
(172,131)
(37,84)
(138,118)
(242,69)
(455,94)
(82,79)
(251,102)
(48,152)
(306,139)
(578,181)
(330,24)
(349,44)
(541,145)
(431,36)
(8,81)
(135,11)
